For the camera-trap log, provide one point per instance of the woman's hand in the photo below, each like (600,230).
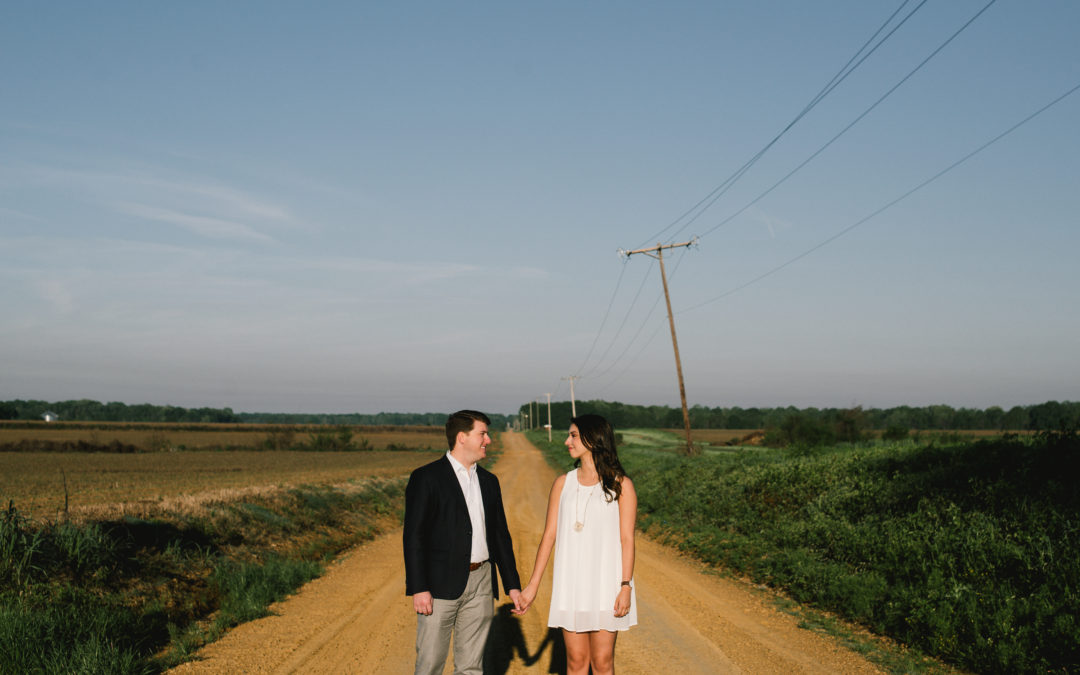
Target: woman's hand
(528,594)
(622,602)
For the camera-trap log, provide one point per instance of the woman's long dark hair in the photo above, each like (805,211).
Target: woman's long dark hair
(598,436)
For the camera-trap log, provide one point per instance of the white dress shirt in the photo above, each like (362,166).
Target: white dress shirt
(470,487)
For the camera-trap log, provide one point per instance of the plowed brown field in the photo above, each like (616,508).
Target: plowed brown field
(357,619)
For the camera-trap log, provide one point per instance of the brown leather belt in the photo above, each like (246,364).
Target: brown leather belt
(475,566)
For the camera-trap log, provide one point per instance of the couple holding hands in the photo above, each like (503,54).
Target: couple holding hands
(456,537)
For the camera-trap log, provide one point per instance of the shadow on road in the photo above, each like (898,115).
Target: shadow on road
(506,639)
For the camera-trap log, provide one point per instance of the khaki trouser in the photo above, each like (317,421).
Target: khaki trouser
(467,618)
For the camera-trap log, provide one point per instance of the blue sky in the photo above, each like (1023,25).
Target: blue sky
(364,207)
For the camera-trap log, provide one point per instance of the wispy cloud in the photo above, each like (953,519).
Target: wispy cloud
(214,228)
(769,221)
(233,200)
(146,186)
(56,294)
(12,214)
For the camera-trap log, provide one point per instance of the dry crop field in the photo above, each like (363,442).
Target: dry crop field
(149,436)
(138,483)
(714,436)
(717,437)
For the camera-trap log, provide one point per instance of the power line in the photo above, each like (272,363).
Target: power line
(636,356)
(892,203)
(854,62)
(850,124)
(708,200)
(618,331)
(641,327)
(611,303)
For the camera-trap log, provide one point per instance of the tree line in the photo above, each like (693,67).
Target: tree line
(86,410)
(1052,415)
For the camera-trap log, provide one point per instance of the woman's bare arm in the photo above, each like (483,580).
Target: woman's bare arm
(547,543)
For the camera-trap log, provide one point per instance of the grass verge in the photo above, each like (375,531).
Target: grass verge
(137,595)
(962,551)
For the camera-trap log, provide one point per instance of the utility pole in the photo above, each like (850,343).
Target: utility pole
(549,417)
(658,253)
(532,416)
(573,407)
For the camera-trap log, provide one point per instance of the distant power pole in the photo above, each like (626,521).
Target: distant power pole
(549,417)
(573,408)
(658,253)
(532,416)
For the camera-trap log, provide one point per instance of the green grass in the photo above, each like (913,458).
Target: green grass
(139,596)
(965,551)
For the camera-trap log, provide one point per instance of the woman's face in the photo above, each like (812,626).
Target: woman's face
(574,443)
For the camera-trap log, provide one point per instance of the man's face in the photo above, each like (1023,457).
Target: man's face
(474,444)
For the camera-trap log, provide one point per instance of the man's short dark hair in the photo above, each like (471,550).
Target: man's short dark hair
(463,420)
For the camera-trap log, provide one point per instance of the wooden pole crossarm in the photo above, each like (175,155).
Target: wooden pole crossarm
(657,252)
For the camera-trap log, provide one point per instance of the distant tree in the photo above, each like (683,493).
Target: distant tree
(1016,419)
(800,429)
(1049,416)
(850,424)
(895,433)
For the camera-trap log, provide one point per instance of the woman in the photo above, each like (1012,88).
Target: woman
(590,523)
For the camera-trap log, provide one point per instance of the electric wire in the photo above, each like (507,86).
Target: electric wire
(633,361)
(889,205)
(644,323)
(713,196)
(618,331)
(607,313)
(708,200)
(853,63)
(851,124)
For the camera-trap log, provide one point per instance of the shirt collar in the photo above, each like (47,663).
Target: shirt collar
(458,466)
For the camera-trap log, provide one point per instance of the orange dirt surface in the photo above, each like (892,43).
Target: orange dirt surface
(357,619)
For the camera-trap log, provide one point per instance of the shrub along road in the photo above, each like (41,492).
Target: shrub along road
(357,619)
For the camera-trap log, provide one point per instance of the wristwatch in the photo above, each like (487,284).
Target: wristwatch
(626,583)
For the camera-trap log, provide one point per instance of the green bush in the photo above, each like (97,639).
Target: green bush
(966,551)
(336,439)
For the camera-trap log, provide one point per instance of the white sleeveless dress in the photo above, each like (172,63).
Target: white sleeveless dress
(588,563)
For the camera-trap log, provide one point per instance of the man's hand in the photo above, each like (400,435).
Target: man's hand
(519,603)
(524,600)
(422,602)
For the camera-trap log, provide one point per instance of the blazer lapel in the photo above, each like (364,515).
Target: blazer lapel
(485,494)
(450,480)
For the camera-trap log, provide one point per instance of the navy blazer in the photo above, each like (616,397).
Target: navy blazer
(438,533)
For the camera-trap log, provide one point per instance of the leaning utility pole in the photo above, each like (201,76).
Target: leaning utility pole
(573,408)
(658,253)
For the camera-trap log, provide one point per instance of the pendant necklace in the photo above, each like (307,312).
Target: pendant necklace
(579,523)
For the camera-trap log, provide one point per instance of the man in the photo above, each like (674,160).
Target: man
(455,538)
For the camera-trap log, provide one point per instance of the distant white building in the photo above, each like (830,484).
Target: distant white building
(49,416)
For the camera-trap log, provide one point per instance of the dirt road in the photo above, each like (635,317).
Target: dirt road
(357,619)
